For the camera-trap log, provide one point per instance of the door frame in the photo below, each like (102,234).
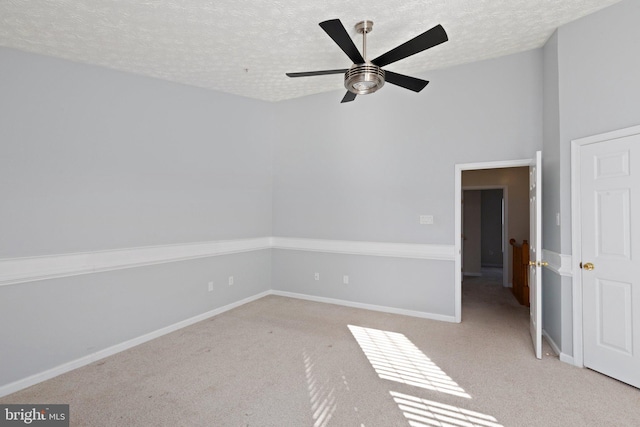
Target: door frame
(576,231)
(458,218)
(505,225)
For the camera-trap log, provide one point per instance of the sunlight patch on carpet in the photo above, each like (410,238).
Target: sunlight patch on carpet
(394,357)
(321,393)
(427,413)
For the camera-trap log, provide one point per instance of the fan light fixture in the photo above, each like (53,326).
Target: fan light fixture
(365,78)
(362,79)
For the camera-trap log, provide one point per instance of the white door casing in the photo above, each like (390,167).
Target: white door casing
(535,253)
(609,202)
(459,168)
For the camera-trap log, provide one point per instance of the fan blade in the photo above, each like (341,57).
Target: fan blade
(348,97)
(317,73)
(337,32)
(406,82)
(424,41)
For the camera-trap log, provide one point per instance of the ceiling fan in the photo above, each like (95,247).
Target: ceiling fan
(364,76)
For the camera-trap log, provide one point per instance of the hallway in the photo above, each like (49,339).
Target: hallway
(486,302)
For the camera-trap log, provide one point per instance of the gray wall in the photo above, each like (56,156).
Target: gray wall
(551,147)
(93,159)
(51,322)
(404,284)
(591,86)
(366,170)
(551,282)
(598,83)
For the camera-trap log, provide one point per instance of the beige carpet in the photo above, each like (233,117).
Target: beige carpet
(287,362)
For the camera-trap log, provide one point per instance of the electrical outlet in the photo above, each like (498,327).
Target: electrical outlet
(210,286)
(231,281)
(345,279)
(426,219)
(316,276)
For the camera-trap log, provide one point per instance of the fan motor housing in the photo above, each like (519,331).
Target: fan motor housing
(363,79)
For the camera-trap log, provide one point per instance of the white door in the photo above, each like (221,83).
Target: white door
(610,202)
(535,253)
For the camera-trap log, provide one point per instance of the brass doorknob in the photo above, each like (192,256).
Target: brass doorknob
(588,266)
(538,263)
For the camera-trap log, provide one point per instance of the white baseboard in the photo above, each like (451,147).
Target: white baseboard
(384,309)
(551,342)
(563,357)
(568,359)
(90,358)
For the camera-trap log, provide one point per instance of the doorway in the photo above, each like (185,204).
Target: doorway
(606,301)
(484,217)
(476,175)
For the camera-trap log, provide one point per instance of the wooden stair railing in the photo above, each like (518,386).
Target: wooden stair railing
(521,271)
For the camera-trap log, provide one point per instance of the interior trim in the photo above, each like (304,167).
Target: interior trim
(29,269)
(576,228)
(558,263)
(397,250)
(459,168)
(562,356)
(383,309)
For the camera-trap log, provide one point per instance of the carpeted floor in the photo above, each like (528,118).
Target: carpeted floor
(287,362)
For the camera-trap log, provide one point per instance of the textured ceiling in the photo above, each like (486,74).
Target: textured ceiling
(245,47)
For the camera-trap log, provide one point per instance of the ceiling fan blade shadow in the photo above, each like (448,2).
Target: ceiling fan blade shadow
(317,73)
(338,33)
(348,97)
(407,82)
(424,41)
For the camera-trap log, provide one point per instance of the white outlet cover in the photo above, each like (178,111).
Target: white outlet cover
(317,276)
(345,280)
(426,219)
(231,280)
